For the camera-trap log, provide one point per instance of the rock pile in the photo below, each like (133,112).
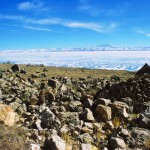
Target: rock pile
(65,113)
(145,70)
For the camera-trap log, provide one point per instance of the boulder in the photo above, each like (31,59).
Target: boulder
(74,106)
(34,147)
(103,112)
(88,115)
(49,120)
(144,70)
(119,109)
(15,68)
(103,101)
(7,115)
(86,138)
(88,103)
(53,83)
(23,71)
(69,117)
(144,121)
(86,146)
(56,143)
(117,143)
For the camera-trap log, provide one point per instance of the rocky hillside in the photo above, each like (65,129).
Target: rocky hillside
(66,113)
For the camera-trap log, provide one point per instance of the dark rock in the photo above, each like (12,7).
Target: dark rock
(117,143)
(56,143)
(144,70)
(144,121)
(53,83)
(15,68)
(115,78)
(23,71)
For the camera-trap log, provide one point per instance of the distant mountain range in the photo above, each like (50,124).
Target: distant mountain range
(108,47)
(103,47)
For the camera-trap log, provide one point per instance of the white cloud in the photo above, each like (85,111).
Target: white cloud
(37,28)
(35,5)
(101,28)
(91,26)
(140,31)
(148,34)
(25,5)
(89,7)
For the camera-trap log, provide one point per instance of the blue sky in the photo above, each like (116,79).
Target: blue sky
(28,24)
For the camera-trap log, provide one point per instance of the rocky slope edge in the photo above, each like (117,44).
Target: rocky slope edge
(62,113)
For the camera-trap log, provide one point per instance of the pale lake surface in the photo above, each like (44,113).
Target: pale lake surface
(116,60)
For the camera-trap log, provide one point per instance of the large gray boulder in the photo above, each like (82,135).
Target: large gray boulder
(103,112)
(49,120)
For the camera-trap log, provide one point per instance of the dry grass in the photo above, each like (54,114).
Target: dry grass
(147,144)
(71,72)
(116,122)
(71,143)
(12,138)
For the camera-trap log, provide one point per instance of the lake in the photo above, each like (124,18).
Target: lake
(116,60)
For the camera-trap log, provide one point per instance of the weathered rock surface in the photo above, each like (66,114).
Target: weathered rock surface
(88,115)
(104,112)
(7,115)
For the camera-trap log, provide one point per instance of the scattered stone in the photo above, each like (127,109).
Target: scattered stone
(103,112)
(68,113)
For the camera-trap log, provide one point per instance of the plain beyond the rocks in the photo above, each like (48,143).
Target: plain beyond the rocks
(116,60)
